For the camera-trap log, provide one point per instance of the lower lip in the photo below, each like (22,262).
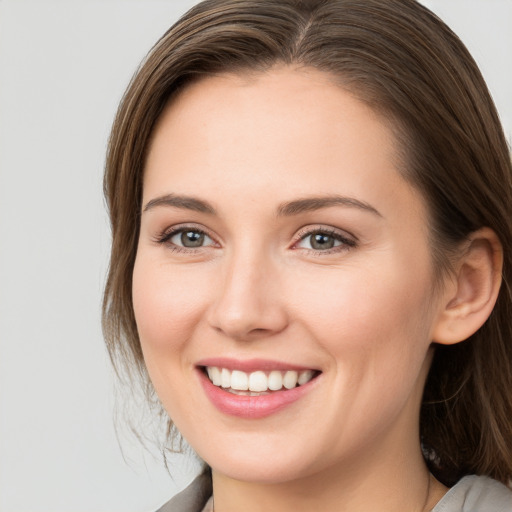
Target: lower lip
(252,407)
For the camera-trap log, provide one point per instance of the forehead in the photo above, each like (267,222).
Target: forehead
(285,132)
(305,94)
(303,107)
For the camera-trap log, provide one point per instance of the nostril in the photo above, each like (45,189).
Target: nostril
(244,312)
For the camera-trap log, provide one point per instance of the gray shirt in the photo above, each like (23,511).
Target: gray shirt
(476,494)
(471,494)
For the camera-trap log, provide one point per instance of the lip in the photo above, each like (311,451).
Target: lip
(252,407)
(251,365)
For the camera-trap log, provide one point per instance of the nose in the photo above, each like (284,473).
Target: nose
(248,302)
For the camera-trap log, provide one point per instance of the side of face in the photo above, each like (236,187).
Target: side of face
(278,232)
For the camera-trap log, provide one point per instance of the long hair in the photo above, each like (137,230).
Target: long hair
(405,63)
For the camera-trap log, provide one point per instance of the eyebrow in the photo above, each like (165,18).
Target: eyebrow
(309,204)
(287,209)
(184,202)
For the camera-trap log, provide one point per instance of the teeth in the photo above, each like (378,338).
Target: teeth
(304,377)
(290,379)
(275,381)
(252,384)
(239,381)
(258,381)
(215,375)
(225,378)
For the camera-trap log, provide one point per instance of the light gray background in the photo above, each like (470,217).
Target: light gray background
(63,68)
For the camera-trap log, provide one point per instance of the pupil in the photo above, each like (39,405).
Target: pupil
(192,239)
(322,241)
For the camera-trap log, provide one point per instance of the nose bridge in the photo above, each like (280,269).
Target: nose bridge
(247,302)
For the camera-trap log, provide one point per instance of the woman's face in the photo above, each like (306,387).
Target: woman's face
(280,244)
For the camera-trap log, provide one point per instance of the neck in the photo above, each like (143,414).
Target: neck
(406,485)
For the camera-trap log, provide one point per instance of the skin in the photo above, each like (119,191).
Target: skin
(363,313)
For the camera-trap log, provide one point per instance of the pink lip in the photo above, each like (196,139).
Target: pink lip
(251,365)
(252,407)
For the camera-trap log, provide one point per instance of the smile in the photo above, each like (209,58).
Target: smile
(254,389)
(257,382)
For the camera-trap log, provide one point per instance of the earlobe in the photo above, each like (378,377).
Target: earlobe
(470,298)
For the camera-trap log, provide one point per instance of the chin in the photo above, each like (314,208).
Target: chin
(262,473)
(267,466)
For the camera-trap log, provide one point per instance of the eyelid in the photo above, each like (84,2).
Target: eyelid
(165,236)
(347,238)
(342,235)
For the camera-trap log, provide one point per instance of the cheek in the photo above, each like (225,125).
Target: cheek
(376,330)
(374,324)
(167,303)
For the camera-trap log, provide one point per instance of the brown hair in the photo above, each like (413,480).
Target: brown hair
(407,64)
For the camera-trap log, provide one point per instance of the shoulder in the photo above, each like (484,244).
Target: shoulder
(476,494)
(193,498)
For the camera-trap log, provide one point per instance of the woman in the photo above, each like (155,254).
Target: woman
(311,259)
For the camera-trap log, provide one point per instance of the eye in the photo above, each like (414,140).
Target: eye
(190,238)
(186,238)
(324,240)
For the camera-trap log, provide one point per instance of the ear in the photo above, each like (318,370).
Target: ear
(469,299)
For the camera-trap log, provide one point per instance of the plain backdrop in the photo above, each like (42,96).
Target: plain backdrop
(63,68)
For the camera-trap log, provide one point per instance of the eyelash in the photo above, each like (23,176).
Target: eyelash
(346,242)
(165,237)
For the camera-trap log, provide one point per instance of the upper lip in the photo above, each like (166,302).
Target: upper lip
(251,365)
